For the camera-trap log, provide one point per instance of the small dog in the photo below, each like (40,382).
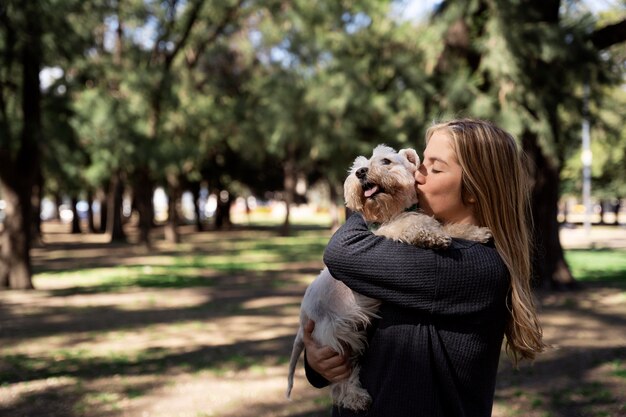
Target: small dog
(381,188)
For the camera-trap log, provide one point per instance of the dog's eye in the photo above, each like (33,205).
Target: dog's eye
(386,161)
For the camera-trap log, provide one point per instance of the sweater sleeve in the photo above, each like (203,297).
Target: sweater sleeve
(468,278)
(382,268)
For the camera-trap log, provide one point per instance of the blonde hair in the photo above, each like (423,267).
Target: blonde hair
(495,178)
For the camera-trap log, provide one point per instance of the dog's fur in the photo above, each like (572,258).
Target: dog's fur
(381,188)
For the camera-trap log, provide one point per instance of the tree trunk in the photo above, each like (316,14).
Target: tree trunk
(289,185)
(15,266)
(91,225)
(222,211)
(114,210)
(143,192)
(195,190)
(75,217)
(173,195)
(58,202)
(18,176)
(603,204)
(104,209)
(36,198)
(549,263)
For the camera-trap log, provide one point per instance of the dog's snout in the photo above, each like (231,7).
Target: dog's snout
(361,173)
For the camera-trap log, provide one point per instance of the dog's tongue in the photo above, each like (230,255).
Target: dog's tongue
(371,191)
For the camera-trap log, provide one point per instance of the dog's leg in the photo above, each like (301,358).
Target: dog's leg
(349,393)
(468,232)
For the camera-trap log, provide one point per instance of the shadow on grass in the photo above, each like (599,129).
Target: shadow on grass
(226,297)
(65,397)
(50,401)
(571,305)
(218,359)
(247,253)
(580,375)
(561,386)
(565,391)
(78,397)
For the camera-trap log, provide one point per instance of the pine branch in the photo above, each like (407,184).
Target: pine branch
(229,16)
(609,35)
(191,20)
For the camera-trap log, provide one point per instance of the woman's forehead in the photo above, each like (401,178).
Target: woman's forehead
(439,147)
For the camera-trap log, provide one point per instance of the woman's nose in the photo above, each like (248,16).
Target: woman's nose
(420,178)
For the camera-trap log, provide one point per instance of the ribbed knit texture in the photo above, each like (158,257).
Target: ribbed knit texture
(435,350)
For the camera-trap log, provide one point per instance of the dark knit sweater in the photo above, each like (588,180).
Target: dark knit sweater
(436,348)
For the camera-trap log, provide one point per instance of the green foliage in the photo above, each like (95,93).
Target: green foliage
(608,145)
(226,91)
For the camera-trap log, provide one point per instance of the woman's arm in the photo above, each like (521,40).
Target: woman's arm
(466,279)
(381,268)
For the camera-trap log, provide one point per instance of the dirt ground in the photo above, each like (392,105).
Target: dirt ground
(222,349)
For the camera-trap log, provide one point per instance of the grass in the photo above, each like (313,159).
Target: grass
(110,333)
(247,254)
(619,368)
(598,265)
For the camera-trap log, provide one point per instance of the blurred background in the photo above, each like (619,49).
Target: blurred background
(170,172)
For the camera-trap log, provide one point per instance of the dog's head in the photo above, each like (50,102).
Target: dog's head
(384,185)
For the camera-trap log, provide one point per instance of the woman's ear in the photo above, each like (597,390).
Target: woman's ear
(411,156)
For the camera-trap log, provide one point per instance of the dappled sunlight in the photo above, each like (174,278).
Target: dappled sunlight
(237,329)
(210,395)
(583,366)
(11,394)
(266,302)
(206,328)
(133,299)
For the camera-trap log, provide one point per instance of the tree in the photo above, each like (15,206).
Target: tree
(21,135)
(608,139)
(335,79)
(523,64)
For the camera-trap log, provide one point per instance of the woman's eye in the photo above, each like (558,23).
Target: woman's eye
(434,171)
(386,161)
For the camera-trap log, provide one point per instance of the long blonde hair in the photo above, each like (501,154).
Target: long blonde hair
(496,180)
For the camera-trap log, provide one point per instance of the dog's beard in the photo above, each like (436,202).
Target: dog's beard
(379,197)
(382,206)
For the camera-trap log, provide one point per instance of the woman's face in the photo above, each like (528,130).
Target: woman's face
(439,183)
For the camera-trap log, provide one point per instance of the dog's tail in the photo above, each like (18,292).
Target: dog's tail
(298,347)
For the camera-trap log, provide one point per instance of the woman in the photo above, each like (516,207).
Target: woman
(435,350)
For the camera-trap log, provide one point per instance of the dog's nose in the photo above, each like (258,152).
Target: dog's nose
(361,173)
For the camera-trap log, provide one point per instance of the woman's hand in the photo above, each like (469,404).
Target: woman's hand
(323,359)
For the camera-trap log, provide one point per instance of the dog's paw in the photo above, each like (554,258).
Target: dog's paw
(349,393)
(356,399)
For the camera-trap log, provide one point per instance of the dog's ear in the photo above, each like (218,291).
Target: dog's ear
(411,156)
(359,162)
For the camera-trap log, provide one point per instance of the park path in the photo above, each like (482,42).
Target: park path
(597,237)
